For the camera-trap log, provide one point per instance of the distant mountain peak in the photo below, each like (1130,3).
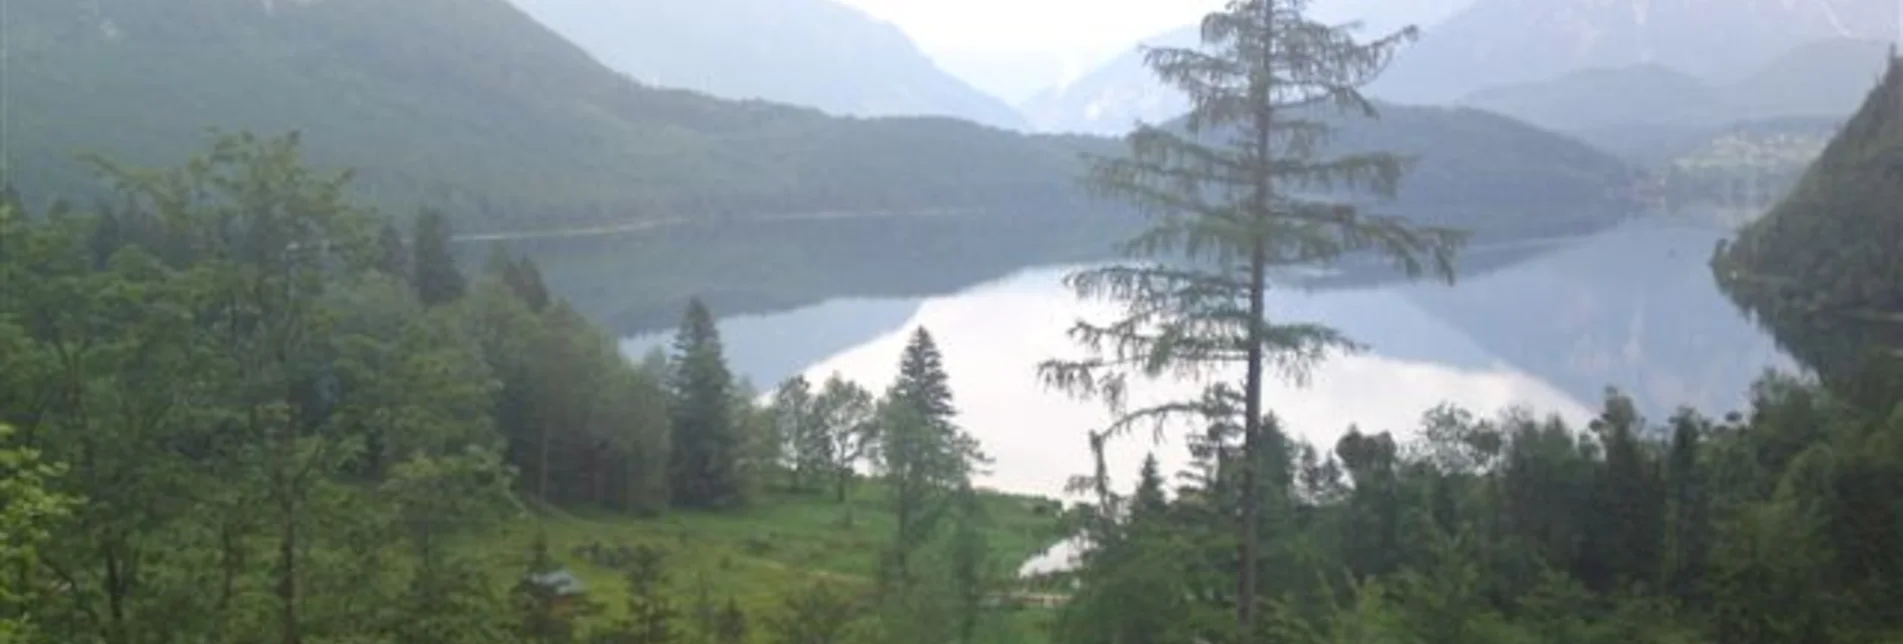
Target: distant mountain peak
(816,53)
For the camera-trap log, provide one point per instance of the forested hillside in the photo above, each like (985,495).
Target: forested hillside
(236,408)
(472,107)
(816,53)
(1821,269)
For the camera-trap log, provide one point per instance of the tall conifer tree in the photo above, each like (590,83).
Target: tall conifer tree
(1234,194)
(703,470)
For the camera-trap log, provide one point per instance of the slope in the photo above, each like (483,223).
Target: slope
(1498,178)
(1823,78)
(1114,96)
(815,53)
(1495,42)
(472,106)
(1822,270)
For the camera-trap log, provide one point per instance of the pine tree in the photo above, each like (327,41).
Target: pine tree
(703,464)
(1227,190)
(435,274)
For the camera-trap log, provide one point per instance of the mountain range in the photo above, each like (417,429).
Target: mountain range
(1496,42)
(815,53)
(473,107)
(1825,78)
(1758,58)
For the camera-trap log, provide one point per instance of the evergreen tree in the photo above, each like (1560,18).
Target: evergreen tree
(1688,520)
(925,456)
(393,256)
(1230,190)
(434,271)
(703,468)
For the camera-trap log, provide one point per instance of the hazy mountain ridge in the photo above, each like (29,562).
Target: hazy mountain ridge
(1755,46)
(1495,42)
(1110,99)
(815,53)
(1825,78)
(472,106)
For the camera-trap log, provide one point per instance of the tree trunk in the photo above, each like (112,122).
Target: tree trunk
(1246,582)
(287,577)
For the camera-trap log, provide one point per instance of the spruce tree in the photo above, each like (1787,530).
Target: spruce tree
(1234,194)
(703,467)
(434,271)
(925,456)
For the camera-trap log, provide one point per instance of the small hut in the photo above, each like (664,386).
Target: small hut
(562,586)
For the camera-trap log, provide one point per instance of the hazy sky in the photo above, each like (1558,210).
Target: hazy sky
(1012,48)
(1033,25)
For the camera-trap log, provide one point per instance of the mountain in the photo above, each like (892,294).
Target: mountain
(1825,78)
(1497,176)
(1497,42)
(1122,90)
(472,106)
(1821,269)
(1593,99)
(1111,98)
(816,53)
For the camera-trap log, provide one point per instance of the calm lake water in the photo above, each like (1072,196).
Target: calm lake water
(1632,308)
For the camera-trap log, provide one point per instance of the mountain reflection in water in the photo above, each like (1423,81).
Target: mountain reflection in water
(1631,308)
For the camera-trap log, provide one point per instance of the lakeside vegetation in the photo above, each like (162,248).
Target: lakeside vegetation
(244,411)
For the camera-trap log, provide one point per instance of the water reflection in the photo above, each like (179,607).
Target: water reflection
(1630,308)
(994,335)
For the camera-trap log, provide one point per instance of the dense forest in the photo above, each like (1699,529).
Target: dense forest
(243,410)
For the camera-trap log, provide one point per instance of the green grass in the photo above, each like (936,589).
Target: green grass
(780,545)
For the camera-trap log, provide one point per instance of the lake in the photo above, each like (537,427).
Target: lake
(1633,307)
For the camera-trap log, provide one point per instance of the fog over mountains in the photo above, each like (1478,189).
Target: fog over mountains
(1490,44)
(815,53)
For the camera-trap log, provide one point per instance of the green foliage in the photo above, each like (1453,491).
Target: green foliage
(1767,528)
(240,421)
(1836,311)
(820,614)
(434,269)
(705,453)
(27,510)
(1240,190)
